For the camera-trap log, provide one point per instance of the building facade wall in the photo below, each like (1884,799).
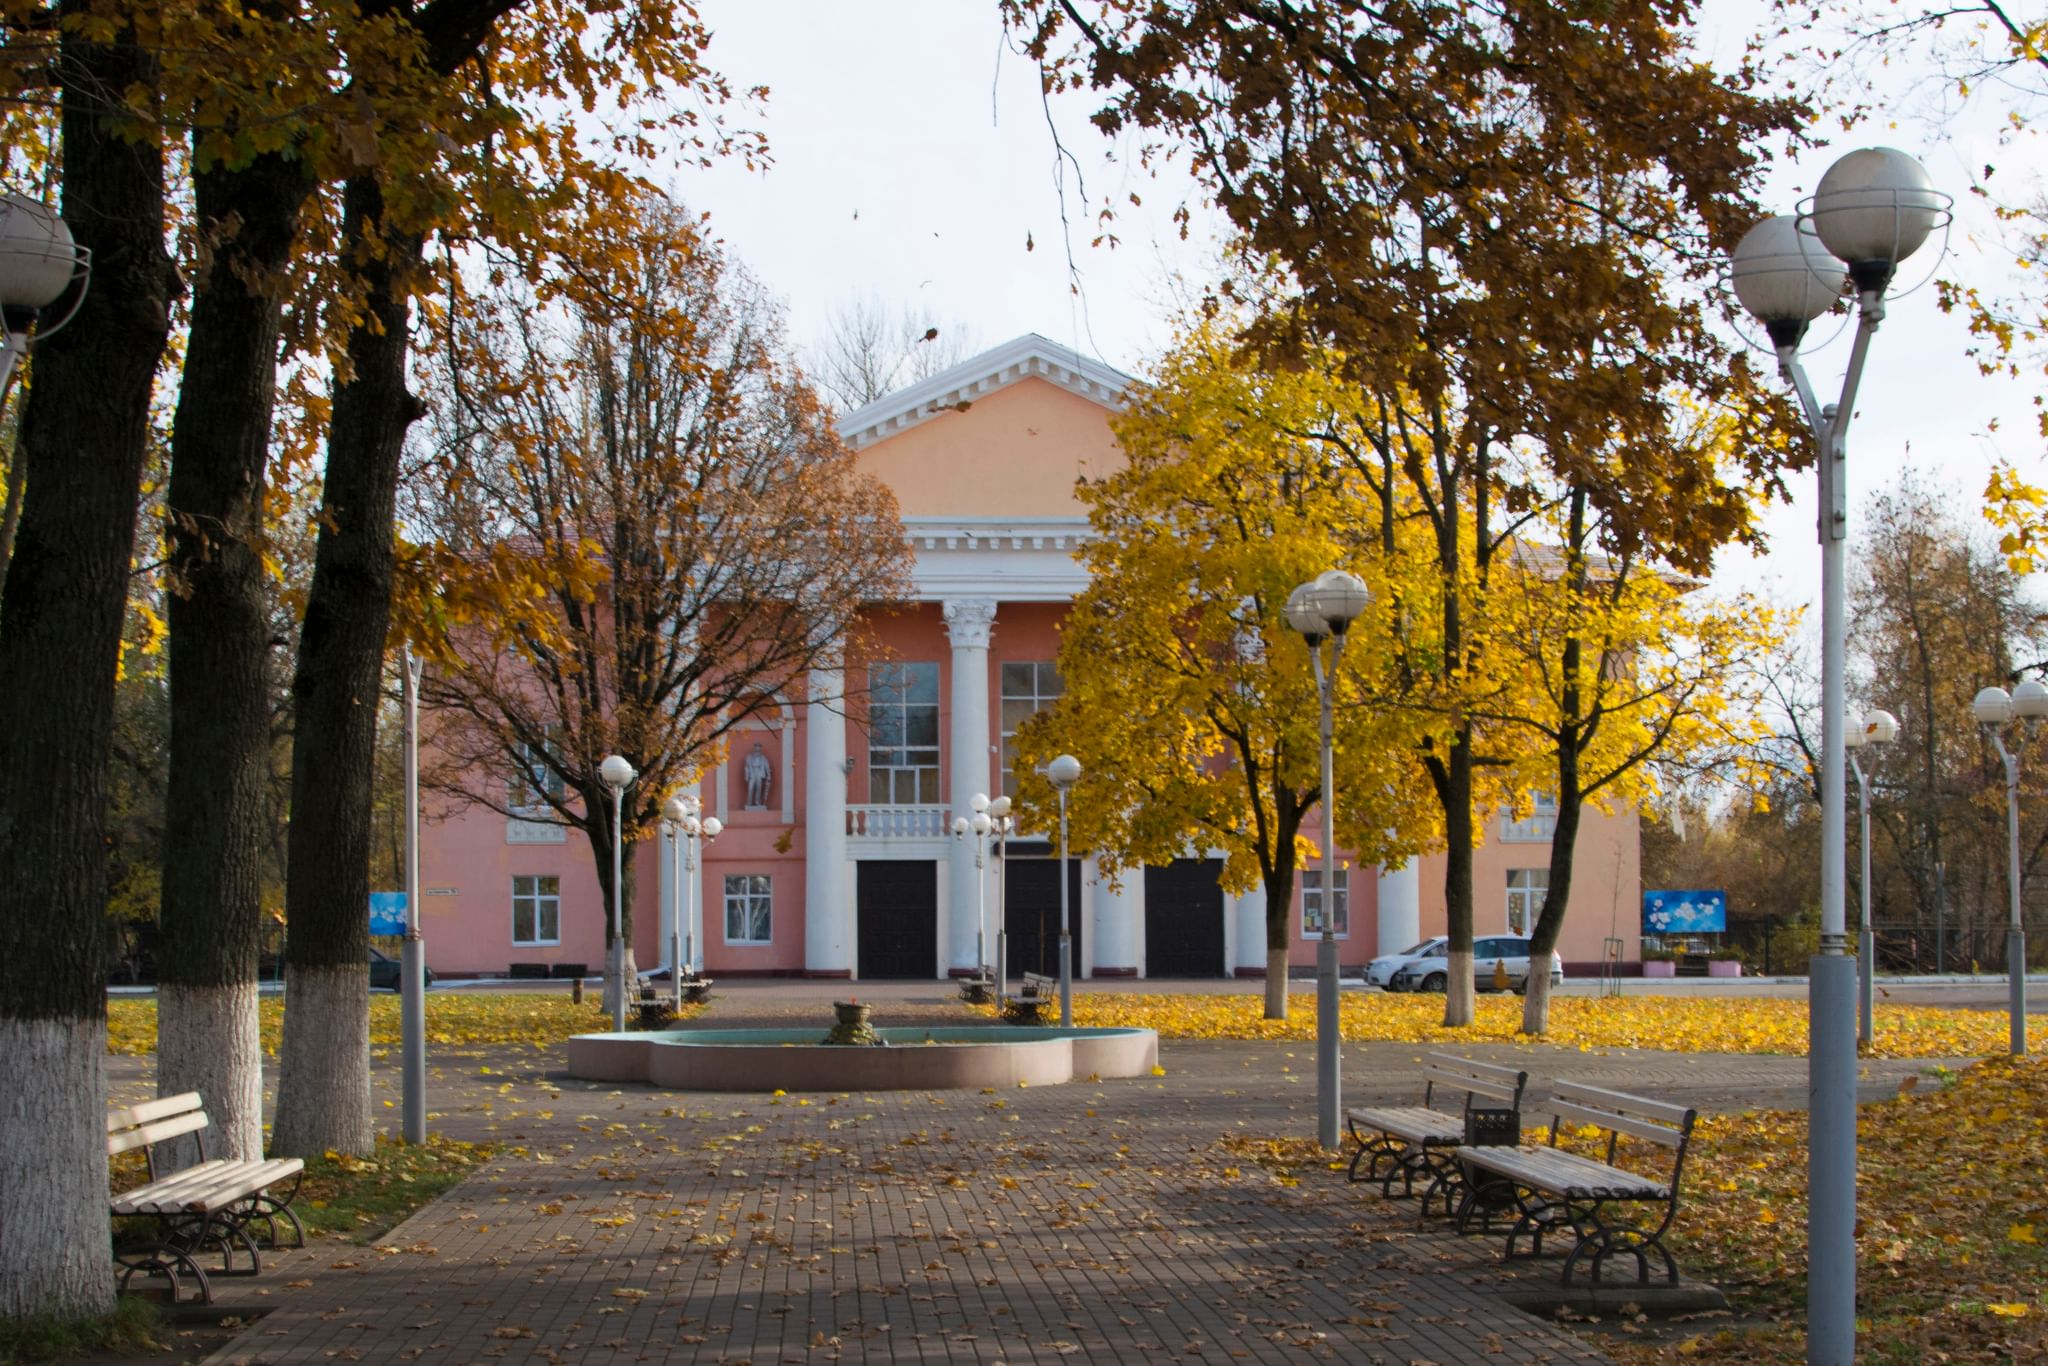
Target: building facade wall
(984,467)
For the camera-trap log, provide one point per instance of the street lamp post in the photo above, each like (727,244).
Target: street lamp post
(685,829)
(1878,728)
(617,774)
(978,825)
(1994,707)
(1003,824)
(1871,211)
(1323,609)
(38,262)
(412,980)
(1063,773)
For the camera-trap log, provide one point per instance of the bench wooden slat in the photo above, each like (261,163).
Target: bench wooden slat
(156,1131)
(1599,1098)
(129,1116)
(207,1187)
(1411,1123)
(1620,1123)
(1566,1174)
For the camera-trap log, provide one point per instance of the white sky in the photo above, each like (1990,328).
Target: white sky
(912,160)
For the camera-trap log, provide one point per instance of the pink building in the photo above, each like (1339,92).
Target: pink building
(836,860)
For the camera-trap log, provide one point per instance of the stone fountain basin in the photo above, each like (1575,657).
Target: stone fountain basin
(916,1059)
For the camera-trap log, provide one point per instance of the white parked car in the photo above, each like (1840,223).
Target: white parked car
(1509,951)
(1380,971)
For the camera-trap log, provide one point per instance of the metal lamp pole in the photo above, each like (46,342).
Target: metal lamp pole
(617,774)
(978,825)
(1321,609)
(1871,211)
(999,813)
(412,981)
(1993,709)
(1879,727)
(1063,773)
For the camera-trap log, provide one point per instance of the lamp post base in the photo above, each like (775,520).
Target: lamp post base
(1866,987)
(1831,1162)
(412,1010)
(1329,1069)
(2016,970)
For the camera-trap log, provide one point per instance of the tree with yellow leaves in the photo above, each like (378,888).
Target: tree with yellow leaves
(1191,703)
(1617,675)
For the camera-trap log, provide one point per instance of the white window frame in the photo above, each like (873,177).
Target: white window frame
(883,776)
(541,896)
(1037,698)
(1312,900)
(756,892)
(1538,827)
(1530,891)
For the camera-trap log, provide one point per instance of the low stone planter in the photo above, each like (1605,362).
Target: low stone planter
(1723,967)
(1659,967)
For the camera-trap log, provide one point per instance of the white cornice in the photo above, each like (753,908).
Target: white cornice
(1028,356)
(1010,559)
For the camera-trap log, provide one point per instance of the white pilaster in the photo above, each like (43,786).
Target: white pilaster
(1250,939)
(1400,911)
(969,622)
(1113,935)
(828,937)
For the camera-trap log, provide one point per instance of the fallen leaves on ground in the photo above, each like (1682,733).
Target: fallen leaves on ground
(1950,1206)
(1707,1024)
(542,1019)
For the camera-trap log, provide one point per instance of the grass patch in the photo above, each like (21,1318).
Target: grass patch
(136,1324)
(478,1019)
(359,1199)
(1672,1023)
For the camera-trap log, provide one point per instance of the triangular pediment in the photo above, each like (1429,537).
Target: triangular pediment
(954,390)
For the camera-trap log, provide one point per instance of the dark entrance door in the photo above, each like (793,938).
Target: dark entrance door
(897,909)
(1031,887)
(1184,919)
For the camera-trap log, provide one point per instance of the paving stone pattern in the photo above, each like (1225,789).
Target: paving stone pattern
(1093,1221)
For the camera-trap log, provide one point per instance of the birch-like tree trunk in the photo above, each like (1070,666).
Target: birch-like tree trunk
(84,432)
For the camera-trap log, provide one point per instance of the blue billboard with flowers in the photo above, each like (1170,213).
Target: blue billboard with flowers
(1695,912)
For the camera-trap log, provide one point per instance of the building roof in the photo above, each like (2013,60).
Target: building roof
(1028,356)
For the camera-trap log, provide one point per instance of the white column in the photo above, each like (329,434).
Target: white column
(1400,913)
(667,890)
(1112,940)
(968,625)
(828,938)
(1251,930)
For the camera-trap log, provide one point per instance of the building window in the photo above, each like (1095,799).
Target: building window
(1526,889)
(1312,902)
(748,905)
(1028,688)
(536,910)
(1538,826)
(533,783)
(903,734)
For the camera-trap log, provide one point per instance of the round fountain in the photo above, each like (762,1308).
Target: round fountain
(870,1059)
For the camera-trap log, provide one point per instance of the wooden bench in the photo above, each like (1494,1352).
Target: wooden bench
(1407,1142)
(1028,1005)
(213,1205)
(1550,1188)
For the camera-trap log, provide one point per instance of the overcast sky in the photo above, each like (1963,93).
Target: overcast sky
(913,163)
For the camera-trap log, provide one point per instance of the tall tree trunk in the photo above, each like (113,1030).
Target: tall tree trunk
(207,1037)
(1564,848)
(600,832)
(1457,788)
(1279,941)
(84,433)
(323,1092)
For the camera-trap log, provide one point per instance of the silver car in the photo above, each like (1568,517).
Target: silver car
(1380,971)
(1497,955)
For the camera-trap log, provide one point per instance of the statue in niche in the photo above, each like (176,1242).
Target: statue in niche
(759,777)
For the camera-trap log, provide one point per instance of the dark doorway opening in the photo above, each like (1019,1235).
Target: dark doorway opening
(1031,887)
(1184,919)
(896,904)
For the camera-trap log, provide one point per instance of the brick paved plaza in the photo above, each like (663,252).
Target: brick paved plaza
(1090,1221)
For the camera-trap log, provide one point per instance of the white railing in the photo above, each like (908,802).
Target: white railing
(896,822)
